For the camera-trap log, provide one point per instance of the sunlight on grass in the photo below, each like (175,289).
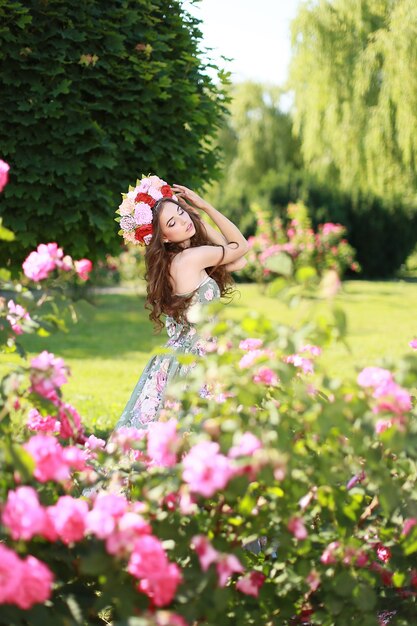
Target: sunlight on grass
(109,348)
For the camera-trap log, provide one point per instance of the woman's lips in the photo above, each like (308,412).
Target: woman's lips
(190,225)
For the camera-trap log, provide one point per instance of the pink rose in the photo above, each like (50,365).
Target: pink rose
(107,509)
(374,377)
(16,315)
(40,423)
(49,458)
(392,398)
(265,376)
(205,551)
(10,574)
(23,514)
(246,446)
(413,344)
(4,174)
(299,361)
(296,527)
(69,516)
(383,553)
(227,565)
(329,554)
(148,557)
(251,583)
(163,443)
(36,584)
(41,262)
(83,268)
(408,525)
(71,426)
(162,585)
(129,528)
(48,374)
(94,443)
(205,470)
(250,344)
(308,347)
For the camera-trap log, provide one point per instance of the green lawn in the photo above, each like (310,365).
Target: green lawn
(108,349)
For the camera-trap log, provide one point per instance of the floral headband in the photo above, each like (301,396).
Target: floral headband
(136,209)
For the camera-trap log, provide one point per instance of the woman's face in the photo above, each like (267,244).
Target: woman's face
(175,223)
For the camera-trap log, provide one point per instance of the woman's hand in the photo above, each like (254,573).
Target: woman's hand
(190,197)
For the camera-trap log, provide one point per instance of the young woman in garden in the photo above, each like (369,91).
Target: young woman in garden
(188,263)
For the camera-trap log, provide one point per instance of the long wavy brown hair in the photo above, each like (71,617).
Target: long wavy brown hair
(158,258)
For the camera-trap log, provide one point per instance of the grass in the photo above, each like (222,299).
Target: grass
(109,347)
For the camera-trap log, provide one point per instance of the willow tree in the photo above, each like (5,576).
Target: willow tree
(257,143)
(354,76)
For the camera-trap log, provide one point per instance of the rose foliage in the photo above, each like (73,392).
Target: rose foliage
(268,493)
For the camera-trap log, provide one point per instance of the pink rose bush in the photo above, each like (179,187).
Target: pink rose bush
(287,249)
(48,257)
(281,494)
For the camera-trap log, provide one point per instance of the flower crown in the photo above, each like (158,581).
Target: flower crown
(136,209)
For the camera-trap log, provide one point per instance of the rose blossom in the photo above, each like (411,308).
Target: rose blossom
(108,507)
(408,525)
(49,458)
(391,397)
(41,262)
(413,344)
(4,174)
(299,361)
(296,527)
(83,268)
(71,426)
(205,470)
(205,551)
(16,315)
(163,442)
(69,517)
(374,377)
(328,556)
(251,583)
(10,574)
(250,344)
(383,553)
(23,514)
(147,558)
(227,565)
(36,583)
(40,423)
(266,376)
(94,443)
(129,527)
(162,585)
(127,207)
(48,373)
(143,214)
(246,446)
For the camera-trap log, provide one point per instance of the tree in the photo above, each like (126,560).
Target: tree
(257,145)
(354,75)
(92,95)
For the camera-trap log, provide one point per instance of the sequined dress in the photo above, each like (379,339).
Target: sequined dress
(148,396)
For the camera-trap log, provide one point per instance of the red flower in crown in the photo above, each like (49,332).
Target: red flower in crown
(167,191)
(145,197)
(142,231)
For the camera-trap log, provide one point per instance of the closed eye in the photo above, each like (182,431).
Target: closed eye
(171,221)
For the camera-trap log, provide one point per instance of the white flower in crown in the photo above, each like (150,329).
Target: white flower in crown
(127,222)
(143,214)
(127,207)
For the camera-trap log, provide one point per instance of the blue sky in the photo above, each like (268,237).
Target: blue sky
(256,33)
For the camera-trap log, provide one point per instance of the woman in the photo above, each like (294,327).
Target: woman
(187,262)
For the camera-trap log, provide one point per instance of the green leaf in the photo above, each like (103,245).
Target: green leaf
(280,263)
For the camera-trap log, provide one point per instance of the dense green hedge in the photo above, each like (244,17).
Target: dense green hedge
(92,94)
(383,233)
